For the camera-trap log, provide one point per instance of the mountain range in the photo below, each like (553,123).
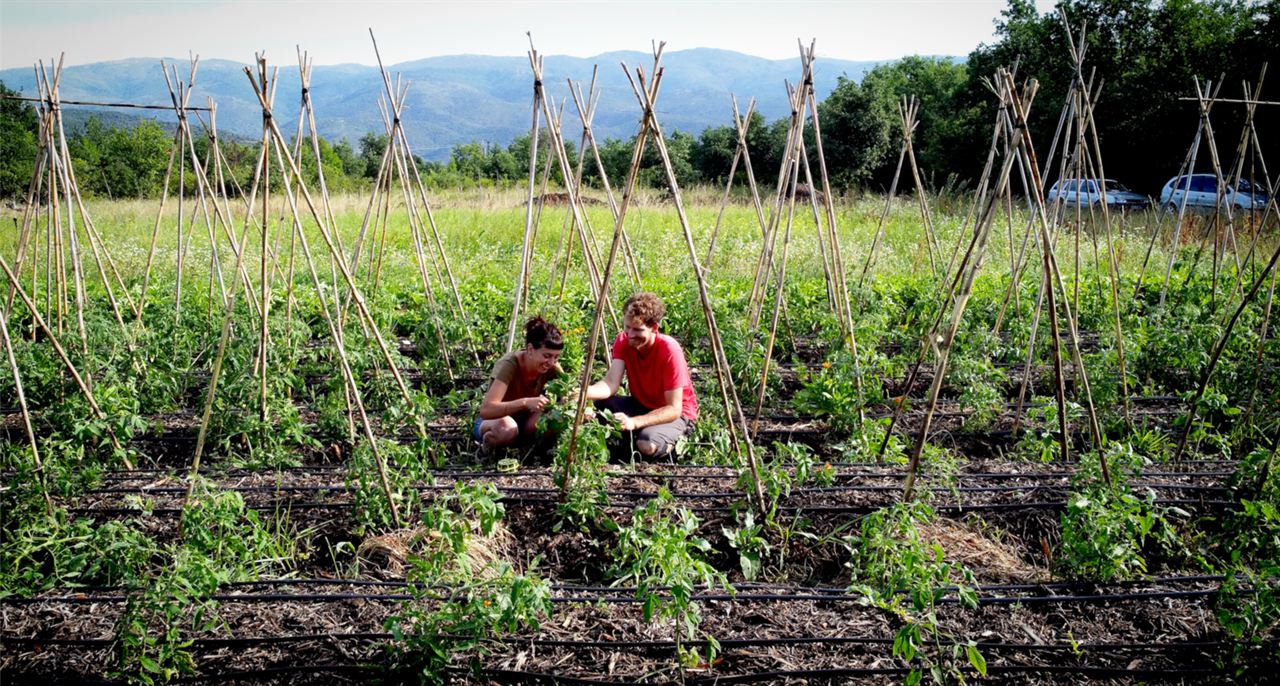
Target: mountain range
(460,98)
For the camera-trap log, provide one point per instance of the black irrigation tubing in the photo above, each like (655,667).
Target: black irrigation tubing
(856,469)
(729,473)
(641,645)
(992,670)
(455,412)
(843,674)
(1085,584)
(754,586)
(278,672)
(459,432)
(797,492)
(813,509)
(632,599)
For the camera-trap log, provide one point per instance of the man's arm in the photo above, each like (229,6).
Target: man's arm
(606,387)
(667,413)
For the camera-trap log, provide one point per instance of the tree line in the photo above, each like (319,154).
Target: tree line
(1144,55)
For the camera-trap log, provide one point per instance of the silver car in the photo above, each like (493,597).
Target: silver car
(1201,190)
(1073,192)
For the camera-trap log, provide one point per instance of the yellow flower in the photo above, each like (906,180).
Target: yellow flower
(826,365)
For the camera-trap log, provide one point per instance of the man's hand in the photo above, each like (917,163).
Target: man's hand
(625,422)
(536,404)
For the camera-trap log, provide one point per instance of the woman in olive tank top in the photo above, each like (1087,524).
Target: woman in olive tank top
(514,401)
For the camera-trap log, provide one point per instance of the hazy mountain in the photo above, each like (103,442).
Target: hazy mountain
(458,99)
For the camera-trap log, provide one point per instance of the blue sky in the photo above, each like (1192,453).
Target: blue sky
(336,32)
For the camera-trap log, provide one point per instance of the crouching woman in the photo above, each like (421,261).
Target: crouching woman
(511,407)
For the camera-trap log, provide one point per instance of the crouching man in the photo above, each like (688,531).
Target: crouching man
(663,406)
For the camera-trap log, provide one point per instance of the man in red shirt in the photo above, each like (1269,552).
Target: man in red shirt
(663,406)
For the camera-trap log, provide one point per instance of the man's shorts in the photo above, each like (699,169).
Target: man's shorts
(664,436)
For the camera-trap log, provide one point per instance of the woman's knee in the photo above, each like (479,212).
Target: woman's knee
(502,431)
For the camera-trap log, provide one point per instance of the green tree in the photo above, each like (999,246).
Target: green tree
(712,153)
(121,163)
(935,83)
(856,125)
(470,160)
(372,146)
(18,147)
(1145,55)
(519,162)
(615,154)
(352,164)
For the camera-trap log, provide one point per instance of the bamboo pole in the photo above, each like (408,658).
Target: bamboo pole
(588,135)
(1237,174)
(828,272)
(415,232)
(1182,206)
(779,294)
(566,169)
(888,200)
(1216,353)
(335,332)
(922,196)
(597,319)
(841,286)
(1027,153)
(30,218)
(324,231)
(521,279)
(983,196)
(740,152)
(967,272)
(764,264)
(1113,269)
(66,361)
(215,372)
(733,410)
(1027,377)
(26,414)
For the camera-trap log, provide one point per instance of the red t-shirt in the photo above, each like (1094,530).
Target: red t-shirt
(657,370)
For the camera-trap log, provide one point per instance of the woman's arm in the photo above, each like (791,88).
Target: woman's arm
(494,407)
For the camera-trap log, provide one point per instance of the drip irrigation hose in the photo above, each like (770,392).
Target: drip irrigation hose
(1213,505)
(631,599)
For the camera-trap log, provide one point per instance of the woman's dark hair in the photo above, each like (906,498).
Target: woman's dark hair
(541,333)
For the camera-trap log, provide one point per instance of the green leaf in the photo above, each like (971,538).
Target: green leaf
(149,664)
(976,659)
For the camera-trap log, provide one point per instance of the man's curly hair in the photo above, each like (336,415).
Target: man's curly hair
(646,306)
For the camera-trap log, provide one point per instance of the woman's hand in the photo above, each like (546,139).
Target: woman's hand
(536,404)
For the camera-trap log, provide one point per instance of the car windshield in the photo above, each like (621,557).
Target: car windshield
(1117,186)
